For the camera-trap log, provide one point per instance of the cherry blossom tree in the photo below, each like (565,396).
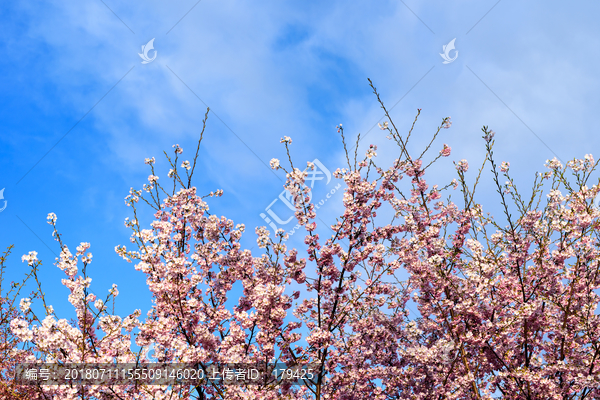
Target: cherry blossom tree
(10,352)
(439,301)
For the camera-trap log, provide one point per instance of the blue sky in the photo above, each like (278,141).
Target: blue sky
(80,112)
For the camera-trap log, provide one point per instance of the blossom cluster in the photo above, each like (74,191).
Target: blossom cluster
(438,302)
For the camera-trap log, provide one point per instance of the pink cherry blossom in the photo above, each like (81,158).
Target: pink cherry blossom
(440,301)
(445,152)
(462,165)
